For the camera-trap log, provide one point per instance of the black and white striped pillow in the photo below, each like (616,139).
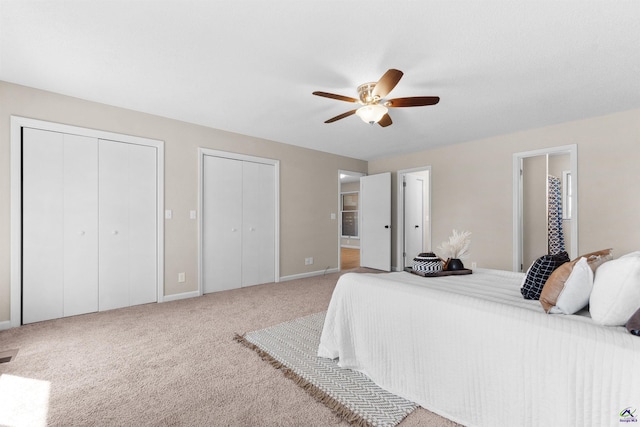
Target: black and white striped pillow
(539,272)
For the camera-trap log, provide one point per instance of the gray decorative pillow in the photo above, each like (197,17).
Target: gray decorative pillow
(539,272)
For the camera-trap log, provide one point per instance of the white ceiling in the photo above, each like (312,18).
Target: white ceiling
(250,66)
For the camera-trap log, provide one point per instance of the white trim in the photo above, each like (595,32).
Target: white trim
(202,152)
(17,123)
(400,213)
(310,274)
(572,150)
(184,295)
(5,325)
(350,246)
(566,212)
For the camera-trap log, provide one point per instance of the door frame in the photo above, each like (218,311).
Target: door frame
(17,123)
(202,152)
(572,150)
(338,215)
(400,210)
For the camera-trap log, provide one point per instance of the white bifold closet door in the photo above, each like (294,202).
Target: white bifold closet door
(88,224)
(60,225)
(238,247)
(127,223)
(258,218)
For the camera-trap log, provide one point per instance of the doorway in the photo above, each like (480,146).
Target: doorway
(349,219)
(545,206)
(239,220)
(108,191)
(414,214)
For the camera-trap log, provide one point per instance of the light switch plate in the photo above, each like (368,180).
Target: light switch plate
(168,214)
(192,214)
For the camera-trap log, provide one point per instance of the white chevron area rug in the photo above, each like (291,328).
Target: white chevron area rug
(292,347)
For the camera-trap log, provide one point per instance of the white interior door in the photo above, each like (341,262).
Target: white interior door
(42,225)
(258,232)
(80,225)
(413,217)
(221,224)
(143,241)
(127,223)
(375,217)
(113,225)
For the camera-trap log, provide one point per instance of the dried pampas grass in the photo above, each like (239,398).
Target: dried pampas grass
(458,245)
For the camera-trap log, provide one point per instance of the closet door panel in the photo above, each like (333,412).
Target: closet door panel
(42,225)
(113,249)
(142,224)
(80,225)
(258,247)
(222,224)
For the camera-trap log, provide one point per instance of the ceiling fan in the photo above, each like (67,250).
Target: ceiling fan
(371,96)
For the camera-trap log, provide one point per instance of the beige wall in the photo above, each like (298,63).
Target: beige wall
(472,185)
(308,182)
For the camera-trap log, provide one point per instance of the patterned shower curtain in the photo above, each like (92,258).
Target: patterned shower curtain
(554,223)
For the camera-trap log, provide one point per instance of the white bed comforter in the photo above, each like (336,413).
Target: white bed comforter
(470,348)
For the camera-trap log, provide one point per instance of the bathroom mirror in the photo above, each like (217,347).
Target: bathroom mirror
(545,211)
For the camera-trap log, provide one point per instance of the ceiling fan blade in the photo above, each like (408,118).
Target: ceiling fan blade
(387,82)
(385,121)
(341,116)
(412,101)
(334,96)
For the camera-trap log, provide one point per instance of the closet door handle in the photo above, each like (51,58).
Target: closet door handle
(114,232)
(252,229)
(81,232)
(234,230)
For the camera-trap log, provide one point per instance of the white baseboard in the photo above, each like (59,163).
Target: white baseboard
(184,295)
(310,274)
(5,325)
(350,246)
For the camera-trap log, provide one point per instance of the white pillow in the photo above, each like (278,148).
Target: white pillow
(577,289)
(631,254)
(616,291)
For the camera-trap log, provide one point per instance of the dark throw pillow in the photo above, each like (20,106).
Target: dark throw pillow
(633,325)
(539,272)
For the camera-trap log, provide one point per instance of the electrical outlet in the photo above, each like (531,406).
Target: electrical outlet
(474,265)
(181,278)
(308,261)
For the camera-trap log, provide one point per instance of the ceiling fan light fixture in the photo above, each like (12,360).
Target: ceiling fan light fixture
(372,113)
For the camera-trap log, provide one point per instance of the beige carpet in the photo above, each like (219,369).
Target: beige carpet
(170,364)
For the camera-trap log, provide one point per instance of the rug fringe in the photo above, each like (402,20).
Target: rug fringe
(338,408)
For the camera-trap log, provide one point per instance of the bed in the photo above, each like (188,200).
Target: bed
(471,349)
